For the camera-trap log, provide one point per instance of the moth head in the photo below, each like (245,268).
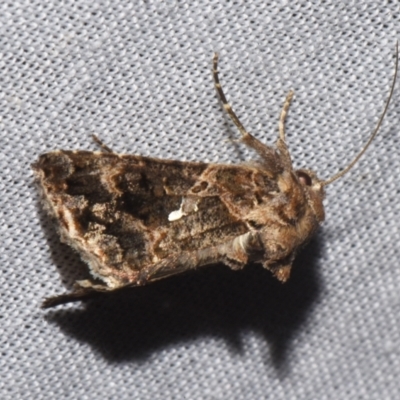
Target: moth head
(314,190)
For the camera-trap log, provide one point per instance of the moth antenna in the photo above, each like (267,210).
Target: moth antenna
(247,138)
(282,118)
(375,132)
(225,104)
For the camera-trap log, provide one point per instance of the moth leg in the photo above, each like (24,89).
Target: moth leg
(84,289)
(250,140)
(76,295)
(281,269)
(102,145)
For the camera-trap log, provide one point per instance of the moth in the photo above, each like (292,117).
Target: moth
(135,220)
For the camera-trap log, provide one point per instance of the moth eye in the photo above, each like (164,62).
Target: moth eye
(304,178)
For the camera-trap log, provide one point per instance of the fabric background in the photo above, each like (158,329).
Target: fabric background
(138,74)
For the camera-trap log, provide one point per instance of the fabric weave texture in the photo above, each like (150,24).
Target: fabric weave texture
(138,74)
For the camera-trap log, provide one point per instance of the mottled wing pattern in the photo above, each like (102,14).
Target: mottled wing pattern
(118,210)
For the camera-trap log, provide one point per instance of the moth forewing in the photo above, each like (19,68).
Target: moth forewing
(135,220)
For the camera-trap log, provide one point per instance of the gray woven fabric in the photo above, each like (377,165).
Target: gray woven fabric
(137,73)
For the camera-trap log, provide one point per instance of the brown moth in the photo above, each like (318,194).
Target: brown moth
(135,220)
